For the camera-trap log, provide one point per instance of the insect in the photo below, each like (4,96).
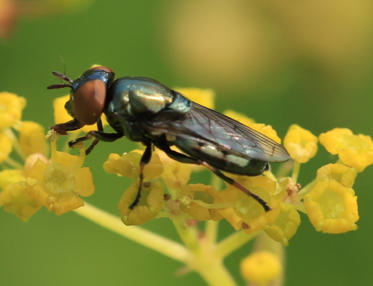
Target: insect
(145,110)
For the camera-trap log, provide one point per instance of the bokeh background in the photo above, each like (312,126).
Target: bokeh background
(280,62)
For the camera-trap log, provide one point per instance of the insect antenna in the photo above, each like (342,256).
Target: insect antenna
(62,76)
(61,85)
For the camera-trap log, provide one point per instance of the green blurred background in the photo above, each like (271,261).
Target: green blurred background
(280,62)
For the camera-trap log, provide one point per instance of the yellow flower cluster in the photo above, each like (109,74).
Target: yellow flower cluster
(55,183)
(329,200)
(58,182)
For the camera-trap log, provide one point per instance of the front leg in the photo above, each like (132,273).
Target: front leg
(71,125)
(99,136)
(96,140)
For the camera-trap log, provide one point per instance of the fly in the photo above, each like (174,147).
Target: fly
(147,111)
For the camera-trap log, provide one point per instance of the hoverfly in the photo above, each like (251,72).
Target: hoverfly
(145,110)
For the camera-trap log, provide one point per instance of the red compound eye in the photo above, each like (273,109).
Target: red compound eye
(89,101)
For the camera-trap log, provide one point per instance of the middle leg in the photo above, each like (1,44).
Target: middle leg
(186,159)
(145,159)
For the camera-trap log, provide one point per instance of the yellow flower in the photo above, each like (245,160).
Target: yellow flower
(11,106)
(32,138)
(10,176)
(286,224)
(175,174)
(260,127)
(61,181)
(151,199)
(5,146)
(197,200)
(353,150)
(62,116)
(245,212)
(300,143)
(261,267)
(19,198)
(339,172)
(17,195)
(204,97)
(129,165)
(150,204)
(331,207)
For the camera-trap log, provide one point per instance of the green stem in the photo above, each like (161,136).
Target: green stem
(146,238)
(284,169)
(296,170)
(211,230)
(214,273)
(306,189)
(233,242)
(188,234)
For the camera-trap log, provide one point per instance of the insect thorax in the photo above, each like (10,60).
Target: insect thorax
(131,100)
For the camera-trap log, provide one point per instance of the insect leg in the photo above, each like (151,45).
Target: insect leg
(237,185)
(145,159)
(99,135)
(185,159)
(71,125)
(96,140)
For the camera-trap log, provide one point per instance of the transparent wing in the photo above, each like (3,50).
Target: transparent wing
(206,125)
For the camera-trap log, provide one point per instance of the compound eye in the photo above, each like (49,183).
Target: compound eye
(89,101)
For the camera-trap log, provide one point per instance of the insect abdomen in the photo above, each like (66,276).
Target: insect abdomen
(221,159)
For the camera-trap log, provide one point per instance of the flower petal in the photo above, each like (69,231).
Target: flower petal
(150,204)
(286,224)
(331,207)
(261,267)
(353,150)
(84,183)
(300,143)
(32,138)
(17,198)
(11,106)
(5,146)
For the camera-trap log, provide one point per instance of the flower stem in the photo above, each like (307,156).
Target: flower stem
(144,237)
(306,189)
(188,234)
(211,230)
(215,274)
(284,169)
(233,242)
(296,170)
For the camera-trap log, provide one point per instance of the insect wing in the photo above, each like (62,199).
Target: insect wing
(207,126)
